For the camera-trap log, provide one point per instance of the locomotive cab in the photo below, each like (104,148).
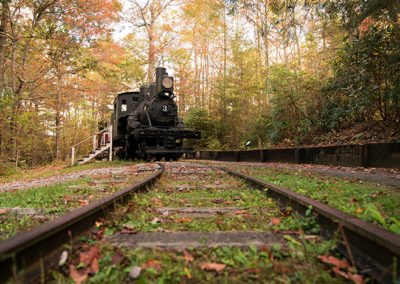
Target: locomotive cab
(123,105)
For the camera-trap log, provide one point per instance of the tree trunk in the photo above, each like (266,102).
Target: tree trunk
(58,114)
(152,47)
(3,33)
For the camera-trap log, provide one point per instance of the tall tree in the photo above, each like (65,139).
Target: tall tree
(147,14)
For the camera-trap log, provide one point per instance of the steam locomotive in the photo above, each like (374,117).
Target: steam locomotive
(146,123)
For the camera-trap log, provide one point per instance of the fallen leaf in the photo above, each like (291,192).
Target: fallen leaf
(384,215)
(310,237)
(212,266)
(334,261)
(275,221)
(63,258)
(152,264)
(88,257)
(128,231)
(354,200)
(135,272)
(187,255)
(253,270)
(116,257)
(188,273)
(182,220)
(83,202)
(356,278)
(76,276)
(155,221)
(4,210)
(359,210)
(228,202)
(94,265)
(218,200)
(155,199)
(240,212)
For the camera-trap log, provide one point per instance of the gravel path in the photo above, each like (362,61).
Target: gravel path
(25,184)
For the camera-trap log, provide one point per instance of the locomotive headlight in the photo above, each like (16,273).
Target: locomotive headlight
(167,82)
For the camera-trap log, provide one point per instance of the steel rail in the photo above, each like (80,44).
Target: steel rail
(34,251)
(372,248)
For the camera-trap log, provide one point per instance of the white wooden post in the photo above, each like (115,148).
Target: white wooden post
(72,156)
(110,137)
(94,143)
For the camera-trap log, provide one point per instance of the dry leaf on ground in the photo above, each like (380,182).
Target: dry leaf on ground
(187,255)
(275,221)
(152,264)
(76,276)
(212,266)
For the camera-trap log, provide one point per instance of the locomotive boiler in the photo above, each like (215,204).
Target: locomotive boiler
(146,123)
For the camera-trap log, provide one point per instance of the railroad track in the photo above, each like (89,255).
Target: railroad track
(203,208)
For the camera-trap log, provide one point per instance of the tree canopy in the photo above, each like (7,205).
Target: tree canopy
(265,71)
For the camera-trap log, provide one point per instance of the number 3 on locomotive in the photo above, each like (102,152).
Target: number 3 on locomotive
(164,108)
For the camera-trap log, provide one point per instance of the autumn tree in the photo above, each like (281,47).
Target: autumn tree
(147,15)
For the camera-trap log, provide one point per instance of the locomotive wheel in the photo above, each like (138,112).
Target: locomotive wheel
(141,151)
(176,157)
(130,149)
(121,154)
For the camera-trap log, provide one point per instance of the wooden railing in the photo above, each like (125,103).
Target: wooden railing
(107,130)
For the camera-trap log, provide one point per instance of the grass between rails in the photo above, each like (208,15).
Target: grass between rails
(297,264)
(254,209)
(261,265)
(377,204)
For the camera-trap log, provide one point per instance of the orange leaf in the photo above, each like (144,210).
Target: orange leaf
(184,219)
(155,199)
(188,273)
(152,264)
(75,275)
(275,221)
(359,210)
(128,231)
(212,266)
(334,261)
(187,255)
(4,210)
(95,265)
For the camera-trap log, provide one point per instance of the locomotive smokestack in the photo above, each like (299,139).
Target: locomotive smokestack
(160,71)
(164,83)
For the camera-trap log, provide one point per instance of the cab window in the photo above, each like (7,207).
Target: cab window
(124,106)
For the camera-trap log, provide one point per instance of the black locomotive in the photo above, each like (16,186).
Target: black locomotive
(146,123)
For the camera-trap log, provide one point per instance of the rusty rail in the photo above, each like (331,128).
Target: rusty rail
(375,250)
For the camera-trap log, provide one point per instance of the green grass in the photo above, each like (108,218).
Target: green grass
(43,197)
(354,197)
(14,174)
(142,210)
(57,199)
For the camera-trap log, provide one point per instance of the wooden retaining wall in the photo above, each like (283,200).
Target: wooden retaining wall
(383,155)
